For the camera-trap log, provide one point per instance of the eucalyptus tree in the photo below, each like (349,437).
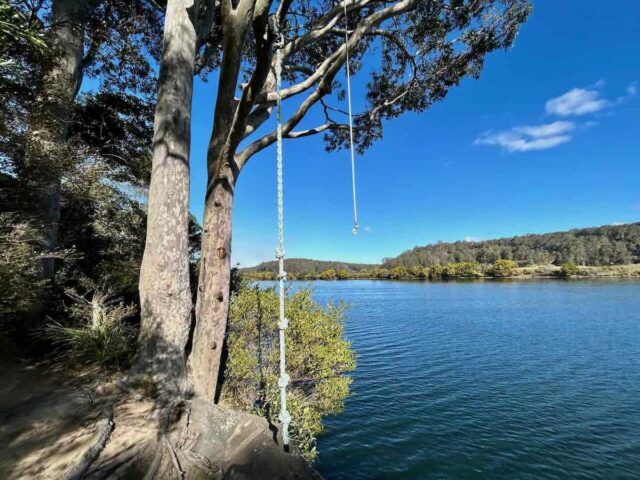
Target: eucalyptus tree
(413,52)
(165,291)
(111,41)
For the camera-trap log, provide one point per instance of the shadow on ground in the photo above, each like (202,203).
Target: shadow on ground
(49,420)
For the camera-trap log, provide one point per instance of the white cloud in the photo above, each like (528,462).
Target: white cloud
(547,130)
(471,239)
(578,101)
(575,102)
(529,138)
(367,228)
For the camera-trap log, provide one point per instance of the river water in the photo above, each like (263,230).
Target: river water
(488,380)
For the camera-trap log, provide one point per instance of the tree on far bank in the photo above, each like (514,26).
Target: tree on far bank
(504,268)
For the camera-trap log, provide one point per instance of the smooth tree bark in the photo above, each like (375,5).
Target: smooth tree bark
(45,156)
(165,295)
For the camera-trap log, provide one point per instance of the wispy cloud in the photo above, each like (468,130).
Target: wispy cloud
(528,138)
(632,89)
(576,102)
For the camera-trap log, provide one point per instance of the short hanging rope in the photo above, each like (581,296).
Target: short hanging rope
(283,381)
(353,157)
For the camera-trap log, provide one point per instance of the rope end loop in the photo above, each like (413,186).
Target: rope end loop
(355,229)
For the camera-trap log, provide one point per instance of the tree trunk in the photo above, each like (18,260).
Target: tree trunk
(45,157)
(165,295)
(212,307)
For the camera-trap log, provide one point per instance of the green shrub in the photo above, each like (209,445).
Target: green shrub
(461,270)
(318,356)
(504,268)
(19,273)
(419,272)
(569,270)
(327,275)
(97,333)
(382,273)
(342,274)
(436,272)
(398,273)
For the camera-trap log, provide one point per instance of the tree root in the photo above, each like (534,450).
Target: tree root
(103,431)
(174,459)
(116,466)
(163,442)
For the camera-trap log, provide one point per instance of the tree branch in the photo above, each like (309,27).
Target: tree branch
(316,130)
(328,74)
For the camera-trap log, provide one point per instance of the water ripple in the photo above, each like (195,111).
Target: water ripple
(492,380)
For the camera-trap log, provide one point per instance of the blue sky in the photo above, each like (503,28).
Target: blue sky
(548,139)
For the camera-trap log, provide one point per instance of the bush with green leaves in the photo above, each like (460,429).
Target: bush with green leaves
(97,333)
(398,273)
(318,359)
(436,272)
(19,277)
(569,270)
(462,270)
(418,271)
(504,268)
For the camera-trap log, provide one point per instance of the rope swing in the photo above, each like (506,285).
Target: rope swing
(353,157)
(283,380)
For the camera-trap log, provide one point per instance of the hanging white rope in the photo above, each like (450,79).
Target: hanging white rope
(283,381)
(353,157)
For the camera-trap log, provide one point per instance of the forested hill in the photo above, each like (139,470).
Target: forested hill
(305,265)
(607,245)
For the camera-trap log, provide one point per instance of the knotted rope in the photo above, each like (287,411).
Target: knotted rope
(283,381)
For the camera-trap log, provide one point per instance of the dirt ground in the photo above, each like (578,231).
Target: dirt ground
(52,420)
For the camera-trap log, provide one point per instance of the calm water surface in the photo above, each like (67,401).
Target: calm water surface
(490,380)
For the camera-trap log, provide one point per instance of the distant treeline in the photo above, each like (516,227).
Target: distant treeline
(459,270)
(608,245)
(437,272)
(600,246)
(308,266)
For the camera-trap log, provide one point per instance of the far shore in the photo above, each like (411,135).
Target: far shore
(548,272)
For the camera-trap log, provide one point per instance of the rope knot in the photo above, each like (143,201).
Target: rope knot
(284,417)
(283,381)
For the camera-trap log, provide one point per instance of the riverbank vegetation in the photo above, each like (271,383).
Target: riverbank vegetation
(607,251)
(461,271)
(318,359)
